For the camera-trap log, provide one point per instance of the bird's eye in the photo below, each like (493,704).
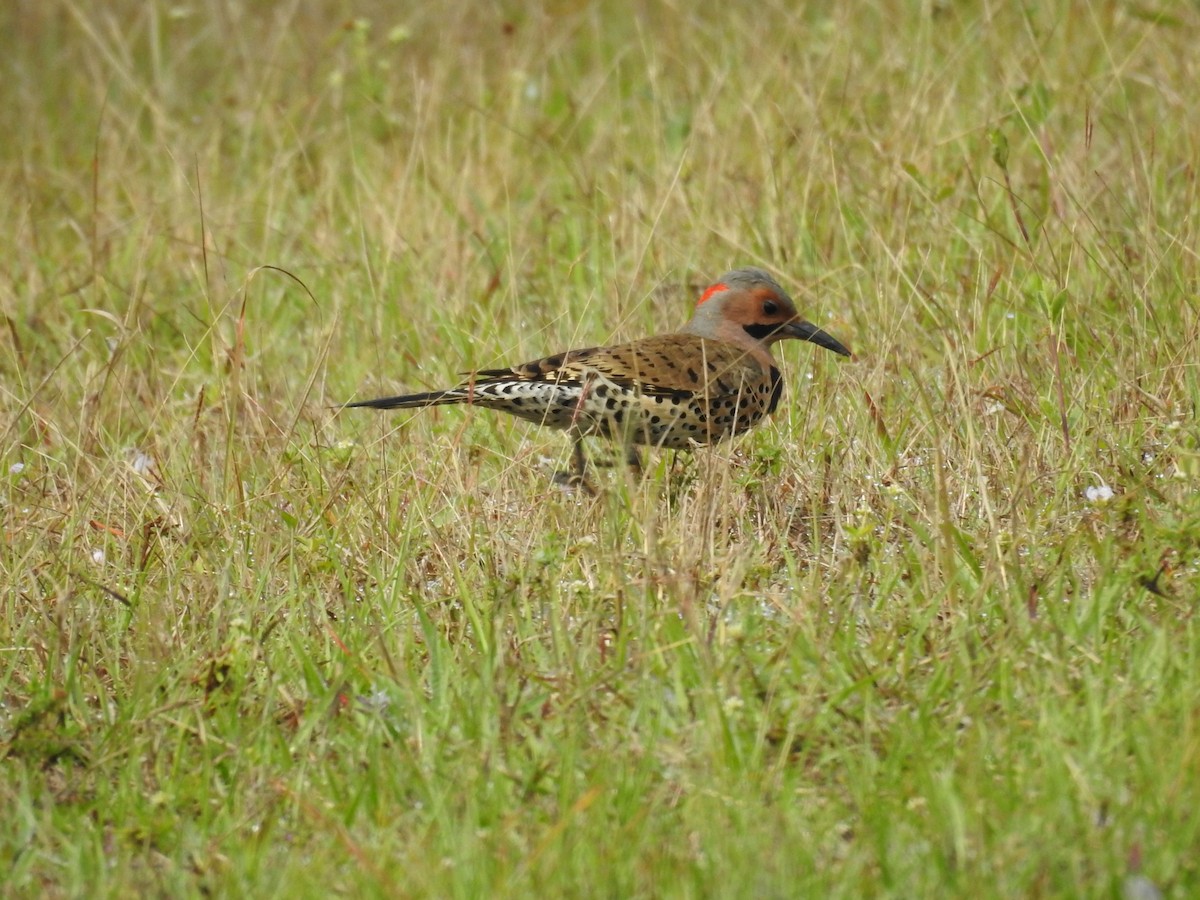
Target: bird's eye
(770,307)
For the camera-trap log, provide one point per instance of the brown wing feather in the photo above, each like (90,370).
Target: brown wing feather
(667,364)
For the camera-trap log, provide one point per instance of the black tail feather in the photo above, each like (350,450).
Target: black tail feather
(409,401)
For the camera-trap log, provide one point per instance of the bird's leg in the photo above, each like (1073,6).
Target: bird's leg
(633,459)
(578,458)
(575,478)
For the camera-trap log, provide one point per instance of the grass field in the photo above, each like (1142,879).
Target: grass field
(931,631)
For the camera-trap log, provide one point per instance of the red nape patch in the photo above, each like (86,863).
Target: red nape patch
(715,289)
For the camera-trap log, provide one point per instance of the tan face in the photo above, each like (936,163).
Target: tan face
(761,312)
(768,315)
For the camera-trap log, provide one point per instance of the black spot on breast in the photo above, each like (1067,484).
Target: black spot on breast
(619,416)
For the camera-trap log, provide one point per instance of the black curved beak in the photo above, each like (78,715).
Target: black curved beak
(807,331)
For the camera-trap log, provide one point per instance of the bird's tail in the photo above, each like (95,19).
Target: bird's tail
(413,401)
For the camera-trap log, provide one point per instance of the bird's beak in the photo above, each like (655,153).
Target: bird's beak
(807,331)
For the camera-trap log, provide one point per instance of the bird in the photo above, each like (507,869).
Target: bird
(711,380)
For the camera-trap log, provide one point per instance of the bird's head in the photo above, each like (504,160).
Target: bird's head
(749,308)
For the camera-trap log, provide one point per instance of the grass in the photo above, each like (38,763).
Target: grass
(931,631)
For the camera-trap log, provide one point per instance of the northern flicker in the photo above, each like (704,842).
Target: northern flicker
(713,379)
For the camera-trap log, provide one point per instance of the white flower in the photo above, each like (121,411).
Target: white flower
(1101,493)
(141,462)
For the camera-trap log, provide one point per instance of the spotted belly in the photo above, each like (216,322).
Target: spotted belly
(677,420)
